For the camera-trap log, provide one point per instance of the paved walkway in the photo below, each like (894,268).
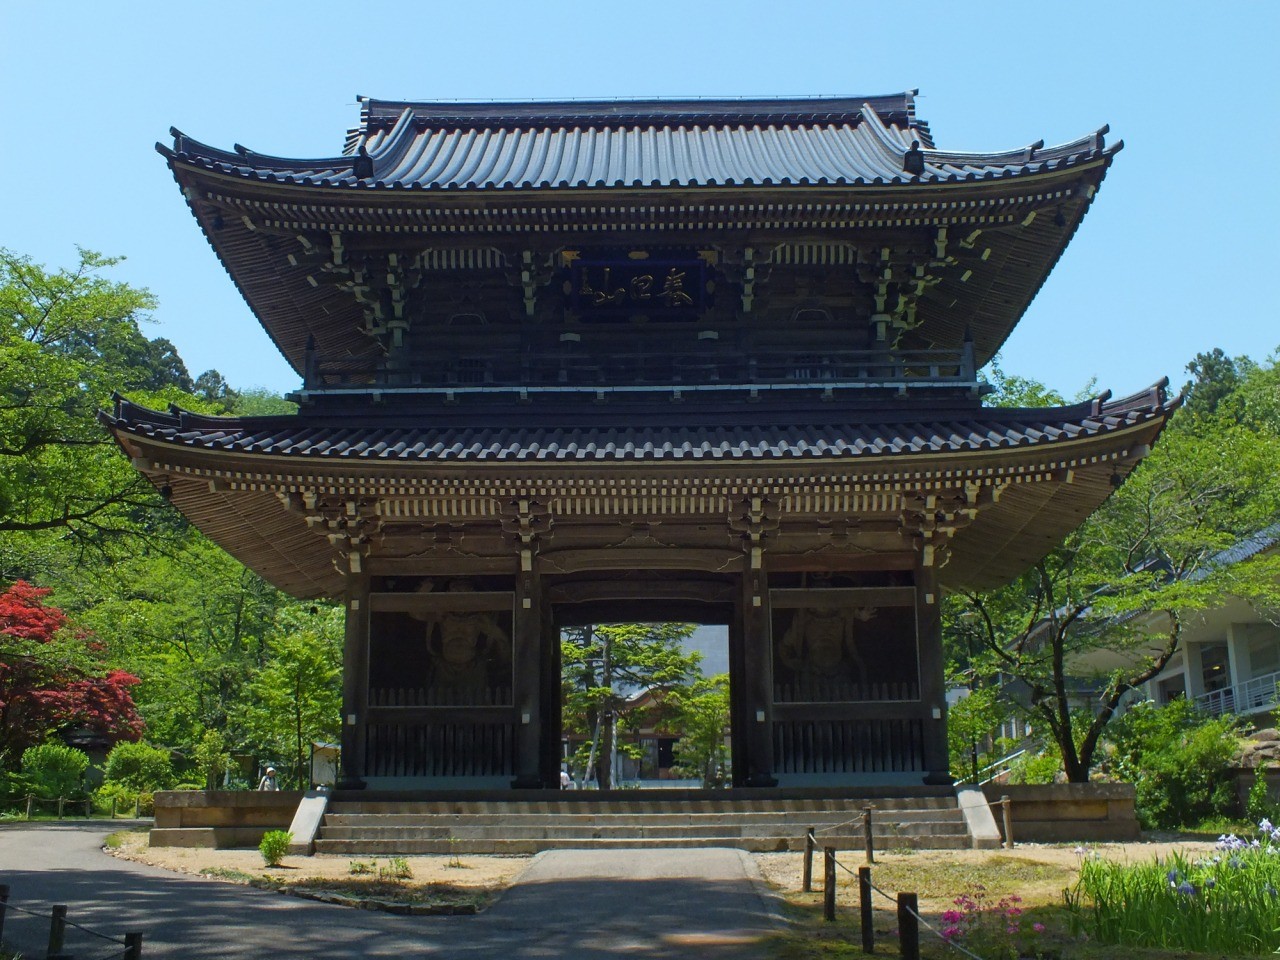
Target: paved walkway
(579,905)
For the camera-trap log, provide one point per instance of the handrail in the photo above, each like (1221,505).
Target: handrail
(999,766)
(1256,693)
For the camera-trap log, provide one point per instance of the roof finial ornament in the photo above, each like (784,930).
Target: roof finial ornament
(362,166)
(913,159)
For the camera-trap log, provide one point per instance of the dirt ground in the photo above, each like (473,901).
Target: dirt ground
(480,872)
(1027,862)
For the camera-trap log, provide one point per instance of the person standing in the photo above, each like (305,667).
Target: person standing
(269,781)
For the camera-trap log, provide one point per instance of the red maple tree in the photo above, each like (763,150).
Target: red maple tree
(51,677)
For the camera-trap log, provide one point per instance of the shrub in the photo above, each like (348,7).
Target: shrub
(396,868)
(1177,759)
(1259,805)
(125,798)
(274,845)
(55,770)
(139,766)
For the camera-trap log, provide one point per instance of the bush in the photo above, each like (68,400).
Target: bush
(1177,759)
(274,845)
(1259,804)
(55,770)
(125,800)
(139,766)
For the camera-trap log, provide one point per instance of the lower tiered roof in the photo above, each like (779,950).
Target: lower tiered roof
(997,487)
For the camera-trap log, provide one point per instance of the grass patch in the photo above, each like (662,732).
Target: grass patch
(114,841)
(228,873)
(1048,928)
(360,890)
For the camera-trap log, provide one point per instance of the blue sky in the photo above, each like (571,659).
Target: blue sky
(1173,258)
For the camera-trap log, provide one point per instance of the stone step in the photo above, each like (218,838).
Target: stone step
(387,848)
(598,807)
(788,818)
(622,831)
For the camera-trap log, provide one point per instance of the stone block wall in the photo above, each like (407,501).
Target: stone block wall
(1067,812)
(221,819)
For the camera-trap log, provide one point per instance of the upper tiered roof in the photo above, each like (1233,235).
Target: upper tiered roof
(501,182)
(653,143)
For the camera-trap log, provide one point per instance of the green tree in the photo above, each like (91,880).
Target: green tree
(212,758)
(1104,612)
(604,666)
(295,698)
(702,717)
(195,625)
(67,340)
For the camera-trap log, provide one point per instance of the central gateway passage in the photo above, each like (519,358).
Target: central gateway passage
(645,706)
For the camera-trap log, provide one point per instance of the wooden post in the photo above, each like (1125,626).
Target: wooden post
(1006,812)
(61,801)
(57,929)
(4,902)
(908,926)
(867,841)
(88,807)
(355,681)
(113,808)
(806,874)
(864,910)
(137,807)
(757,663)
(31,800)
(933,687)
(133,946)
(527,641)
(828,883)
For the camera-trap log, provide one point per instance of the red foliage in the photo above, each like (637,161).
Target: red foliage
(46,687)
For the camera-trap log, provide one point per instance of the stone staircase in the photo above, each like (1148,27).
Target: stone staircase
(373,825)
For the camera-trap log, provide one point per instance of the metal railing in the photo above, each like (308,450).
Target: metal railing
(994,770)
(1259,693)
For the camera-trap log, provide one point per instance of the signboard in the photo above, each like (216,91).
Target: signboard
(672,288)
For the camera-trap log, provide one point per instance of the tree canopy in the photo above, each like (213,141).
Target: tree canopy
(1104,611)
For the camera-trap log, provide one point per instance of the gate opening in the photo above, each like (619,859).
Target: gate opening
(645,706)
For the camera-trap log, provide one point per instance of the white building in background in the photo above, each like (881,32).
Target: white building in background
(1229,656)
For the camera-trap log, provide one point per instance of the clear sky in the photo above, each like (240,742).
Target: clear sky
(1171,260)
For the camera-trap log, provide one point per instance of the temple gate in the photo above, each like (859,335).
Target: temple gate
(591,362)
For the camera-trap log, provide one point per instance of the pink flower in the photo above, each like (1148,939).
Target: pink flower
(1038,927)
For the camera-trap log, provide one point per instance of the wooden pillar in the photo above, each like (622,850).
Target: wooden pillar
(757,653)
(527,685)
(933,689)
(355,682)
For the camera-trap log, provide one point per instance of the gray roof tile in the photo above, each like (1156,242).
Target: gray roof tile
(356,435)
(681,143)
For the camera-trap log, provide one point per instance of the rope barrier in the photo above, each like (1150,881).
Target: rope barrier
(10,905)
(922,921)
(836,826)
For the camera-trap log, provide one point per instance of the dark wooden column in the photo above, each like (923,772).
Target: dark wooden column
(933,691)
(527,686)
(355,682)
(757,660)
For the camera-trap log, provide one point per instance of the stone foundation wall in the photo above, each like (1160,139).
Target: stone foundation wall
(1067,812)
(221,819)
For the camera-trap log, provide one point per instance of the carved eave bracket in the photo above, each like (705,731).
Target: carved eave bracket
(350,525)
(930,521)
(527,523)
(752,520)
